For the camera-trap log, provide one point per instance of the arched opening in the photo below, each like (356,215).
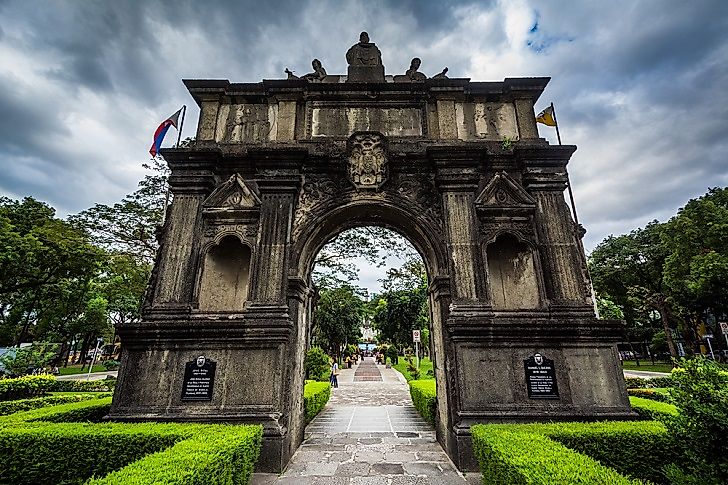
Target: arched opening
(512,274)
(427,241)
(225,276)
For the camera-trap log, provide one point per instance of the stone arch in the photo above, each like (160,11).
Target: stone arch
(225,275)
(512,270)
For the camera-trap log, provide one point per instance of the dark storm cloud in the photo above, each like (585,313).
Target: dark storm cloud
(638,86)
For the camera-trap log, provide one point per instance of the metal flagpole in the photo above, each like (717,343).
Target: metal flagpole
(182,124)
(568,180)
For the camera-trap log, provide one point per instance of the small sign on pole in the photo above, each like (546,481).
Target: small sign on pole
(724,329)
(416,336)
(416,340)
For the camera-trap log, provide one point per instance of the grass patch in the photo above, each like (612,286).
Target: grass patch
(76,369)
(647,366)
(425,366)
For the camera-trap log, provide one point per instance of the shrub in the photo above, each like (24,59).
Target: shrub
(10,407)
(96,449)
(654,394)
(509,456)
(92,410)
(412,369)
(640,449)
(424,398)
(649,409)
(111,364)
(220,455)
(25,387)
(391,353)
(640,383)
(700,393)
(315,397)
(104,385)
(317,365)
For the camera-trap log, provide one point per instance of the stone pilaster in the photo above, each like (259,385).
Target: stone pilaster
(525,118)
(277,199)
(207,125)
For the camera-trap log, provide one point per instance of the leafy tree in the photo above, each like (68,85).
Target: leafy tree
(628,270)
(696,268)
(26,359)
(335,265)
(129,227)
(338,317)
(122,284)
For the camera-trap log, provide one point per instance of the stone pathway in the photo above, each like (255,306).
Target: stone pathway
(369,433)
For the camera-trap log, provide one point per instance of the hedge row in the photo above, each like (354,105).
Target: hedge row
(103,385)
(640,383)
(656,394)
(650,409)
(221,455)
(154,452)
(315,397)
(25,387)
(638,449)
(511,456)
(424,398)
(10,407)
(86,411)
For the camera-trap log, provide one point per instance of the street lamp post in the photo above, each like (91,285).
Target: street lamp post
(99,341)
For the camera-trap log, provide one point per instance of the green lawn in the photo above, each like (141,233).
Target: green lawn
(76,369)
(646,366)
(425,365)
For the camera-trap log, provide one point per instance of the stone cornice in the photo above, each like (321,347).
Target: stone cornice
(460,88)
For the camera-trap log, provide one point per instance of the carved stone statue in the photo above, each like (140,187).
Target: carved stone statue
(412,73)
(365,61)
(319,73)
(291,75)
(364,53)
(442,75)
(367,162)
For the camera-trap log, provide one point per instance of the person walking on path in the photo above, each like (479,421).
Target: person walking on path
(334,375)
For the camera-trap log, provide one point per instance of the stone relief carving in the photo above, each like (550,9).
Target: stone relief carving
(504,194)
(420,191)
(233,194)
(247,123)
(315,197)
(367,160)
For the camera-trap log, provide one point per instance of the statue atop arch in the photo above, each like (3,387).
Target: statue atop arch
(365,61)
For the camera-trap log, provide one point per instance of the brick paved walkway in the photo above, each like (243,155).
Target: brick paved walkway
(369,433)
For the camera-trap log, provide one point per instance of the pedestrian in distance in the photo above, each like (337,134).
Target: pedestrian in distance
(335,375)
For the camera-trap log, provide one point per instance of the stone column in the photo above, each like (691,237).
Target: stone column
(559,246)
(207,126)
(276,217)
(176,264)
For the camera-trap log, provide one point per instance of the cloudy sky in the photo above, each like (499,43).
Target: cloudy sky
(641,87)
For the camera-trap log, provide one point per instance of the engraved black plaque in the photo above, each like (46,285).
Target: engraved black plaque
(541,378)
(198,380)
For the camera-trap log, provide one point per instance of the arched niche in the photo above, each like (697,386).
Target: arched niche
(225,276)
(512,274)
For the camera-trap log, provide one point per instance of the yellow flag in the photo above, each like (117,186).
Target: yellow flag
(546,117)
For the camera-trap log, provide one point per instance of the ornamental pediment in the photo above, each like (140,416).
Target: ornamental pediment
(504,193)
(231,195)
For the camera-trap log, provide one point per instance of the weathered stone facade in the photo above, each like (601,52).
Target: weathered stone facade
(279,167)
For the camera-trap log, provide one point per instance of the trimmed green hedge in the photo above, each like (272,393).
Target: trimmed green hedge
(315,397)
(68,385)
(649,409)
(187,453)
(640,383)
(657,394)
(223,455)
(638,449)
(511,456)
(86,411)
(10,407)
(25,387)
(424,398)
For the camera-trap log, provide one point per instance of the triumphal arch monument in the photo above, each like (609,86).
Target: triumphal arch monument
(280,167)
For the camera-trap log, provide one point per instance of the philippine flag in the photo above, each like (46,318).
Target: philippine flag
(162,130)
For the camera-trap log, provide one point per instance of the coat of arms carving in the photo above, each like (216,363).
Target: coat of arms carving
(367,160)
